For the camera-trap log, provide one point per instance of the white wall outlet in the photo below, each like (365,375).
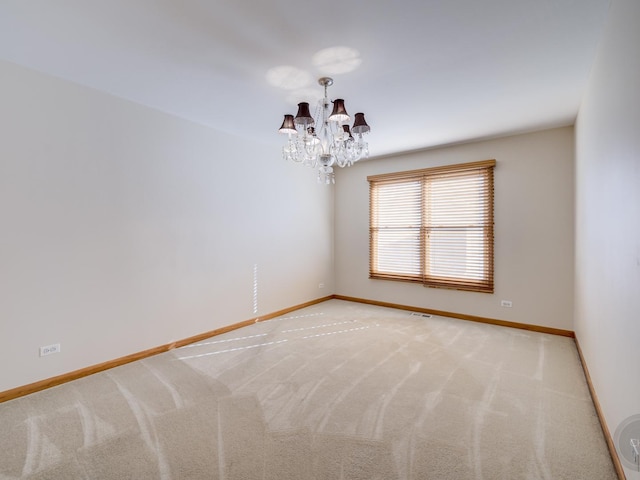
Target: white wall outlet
(50,349)
(321,285)
(506,303)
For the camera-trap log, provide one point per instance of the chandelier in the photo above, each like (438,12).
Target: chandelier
(324,140)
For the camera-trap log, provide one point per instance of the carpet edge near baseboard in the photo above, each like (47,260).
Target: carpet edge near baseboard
(462,316)
(40,385)
(617,465)
(536,328)
(83,372)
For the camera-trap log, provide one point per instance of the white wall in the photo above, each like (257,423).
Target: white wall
(608,218)
(533,230)
(123,228)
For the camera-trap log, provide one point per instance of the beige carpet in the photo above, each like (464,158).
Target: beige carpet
(335,391)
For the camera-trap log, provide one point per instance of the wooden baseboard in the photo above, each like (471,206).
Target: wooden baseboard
(462,316)
(603,423)
(67,377)
(555,331)
(84,372)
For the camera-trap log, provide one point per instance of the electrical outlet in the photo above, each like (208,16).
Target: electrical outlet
(506,303)
(50,349)
(321,285)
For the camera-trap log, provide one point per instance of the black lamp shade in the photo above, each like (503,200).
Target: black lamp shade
(360,124)
(304,117)
(288,126)
(339,113)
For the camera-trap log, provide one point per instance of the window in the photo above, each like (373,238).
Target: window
(434,226)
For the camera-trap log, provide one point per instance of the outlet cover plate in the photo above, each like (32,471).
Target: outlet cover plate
(50,349)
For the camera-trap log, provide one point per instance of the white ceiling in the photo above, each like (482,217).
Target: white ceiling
(432,72)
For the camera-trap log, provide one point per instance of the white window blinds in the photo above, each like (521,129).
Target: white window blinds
(434,226)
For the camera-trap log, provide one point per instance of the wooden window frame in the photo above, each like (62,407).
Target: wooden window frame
(482,264)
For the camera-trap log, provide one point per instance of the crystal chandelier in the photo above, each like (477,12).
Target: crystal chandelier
(324,140)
